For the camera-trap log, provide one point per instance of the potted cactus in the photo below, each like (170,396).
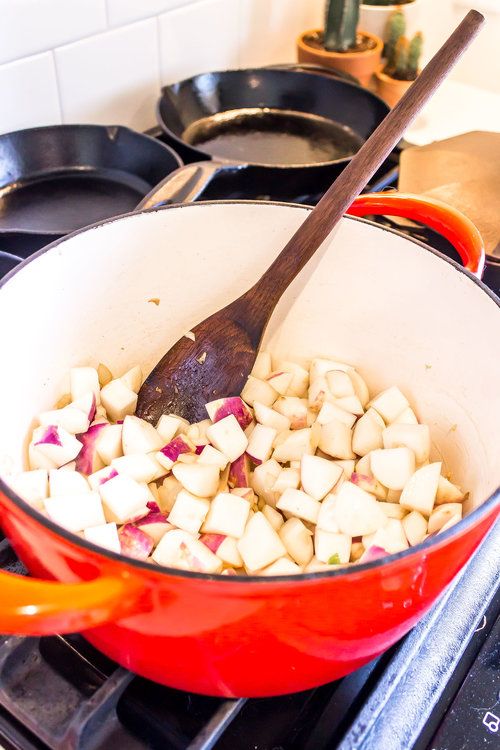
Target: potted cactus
(374,15)
(341,45)
(402,61)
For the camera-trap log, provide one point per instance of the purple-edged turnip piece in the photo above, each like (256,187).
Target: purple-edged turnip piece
(67,483)
(318,476)
(212,541)
(167,493)
(299,504)
(86,403)
(88,460)
(227,515)
(262,366)
(109,443)
(239,472)
(178,549)
(260,444)
(356,512)
(201,480)
(133,379)
(420,490)
(260,545)
(389,404)
(414,525)
(84,380)
(328,544)
(273,516)
(138,436)
(270,418)
(56,444)
(124,499)
(281,567)
(297,539)
(300,378)
(295,445)
(280,381)
(101,476)
(227,436)
(141,467)
(224,547)
(105,535)
(134,542)
(31,486)
(448,492)
(416,437)
(210,455)
(76,512)
(155,524)
(294,409)
(104,374)
(369,484)
(263,479)
(188,512)
(373,553)
(168,426)
(258,390)
(335,440)
(223,407)
(118,400)
(169,454)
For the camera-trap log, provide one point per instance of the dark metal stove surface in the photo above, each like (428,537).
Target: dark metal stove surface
(437,689)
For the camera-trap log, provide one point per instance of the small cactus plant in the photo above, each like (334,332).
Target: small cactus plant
(341,21)
(403,55)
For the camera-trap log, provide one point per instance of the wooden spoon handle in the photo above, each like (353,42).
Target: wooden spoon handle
(263,296)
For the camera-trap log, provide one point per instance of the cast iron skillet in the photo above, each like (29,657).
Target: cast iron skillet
(290,130)
(56,179)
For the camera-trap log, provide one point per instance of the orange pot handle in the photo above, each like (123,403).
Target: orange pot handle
(29,606)
(444,219)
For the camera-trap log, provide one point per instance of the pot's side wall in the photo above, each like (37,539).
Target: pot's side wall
(252,639)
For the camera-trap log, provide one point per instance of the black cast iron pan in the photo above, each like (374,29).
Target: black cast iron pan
(290,130)
(56,179)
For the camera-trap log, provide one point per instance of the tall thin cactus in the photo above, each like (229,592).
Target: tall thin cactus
(341,21)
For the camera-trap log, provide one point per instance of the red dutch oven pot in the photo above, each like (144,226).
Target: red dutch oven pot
(399,311)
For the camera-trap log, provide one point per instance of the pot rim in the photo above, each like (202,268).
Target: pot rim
(465,523)
(389,80)
(379,44)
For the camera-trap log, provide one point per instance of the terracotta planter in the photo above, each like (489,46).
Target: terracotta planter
(374,18)
(390,89)
(362,65)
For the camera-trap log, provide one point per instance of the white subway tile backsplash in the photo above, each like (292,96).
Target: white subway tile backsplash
(28,92)
(269,28)
(198,38)
(29,26)
(111,78)
(126,11)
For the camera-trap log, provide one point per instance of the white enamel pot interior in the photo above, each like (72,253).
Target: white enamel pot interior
(397,311)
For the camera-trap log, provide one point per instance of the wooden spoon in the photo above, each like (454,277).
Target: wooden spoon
(219,360)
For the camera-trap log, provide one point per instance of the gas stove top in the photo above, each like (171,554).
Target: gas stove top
(437,689)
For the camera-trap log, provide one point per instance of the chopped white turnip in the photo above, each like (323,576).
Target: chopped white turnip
(88,460)
(280,380)
(141,467)
(395,510)
(210,455)
(101,476)
(228,515)
(76,512)
(294,409)
(347,466)
(356,512)
(339,383)
(239,472)
(168,427)
(320,366)
(335,439)
(420,490)
(273,516)
(270,417)
(392,466)
(223,407)
(188,512)
(298,541)
(108,443)
(118,400)
(167,493)
(66,483)
(199,479)
(360,387)
(318,393)
(416,437)
(84,380)
(105,535)
(300,378)
(228,437)
(328,545)
(225,547)
(448,492)
(318,476)
(391,537)
(178,549)
(31,486)
(262,366)
(37,460)
(295,445)
(56,444)
(260,545)
(367,433)
(442,514)
(330,411)
(369,484)
(258,390)
(69,418)
(134,542)
(415,527)
(260,444)
(124,499)
(281,567)
(350,404)
(133,379)
(299,504)
(138,436)
(389,404)
(407,416)
(327,515)
(287,478)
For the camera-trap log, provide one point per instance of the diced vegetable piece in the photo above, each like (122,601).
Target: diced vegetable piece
(369,484)
(294,409)
(168,426)
(442,514)
(260,444)
(199,479)
(101,476)
(168,492)
(372,553)
(392,466)
(258,390)
(212,456)
(407,416)
(228,515)
(104,374)
(88,460)
(420,490)
(56,444)
(316,566)
(263,366)
(393,496)
(66,483)
(138,436)
(280,381)
(228,437)
(357,550)
(188,512)
(228,552)
(415,527)
(123,499)
(327,515)
(170,453)
(223,407)
(281,567)
(356,512)
(363,466)
(270,418)
(395,510)
(84,380)
(416,437)
(330,411)
(212,541)
(299,504)
(263,479)
(133,379)
(239,472)
(390,403)
(287,478)
(335,439)
(367,433)
(118,400)
(318,476)
(105,535)
(31,486)
(339,383)
(294,446)
(360,387)
(178,549)
(347,466)
(134,542)
(141,467)
(273,516)
(390,537)
(327,544)
(260,545)
(298,541)
(448,492)
(76,512)
(453,520)
(69,418)
(108,443)
(351,404)
(320,366)
(318,393)
(300,378)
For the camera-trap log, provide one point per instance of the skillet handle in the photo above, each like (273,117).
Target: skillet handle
(30,606)
(444,219)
